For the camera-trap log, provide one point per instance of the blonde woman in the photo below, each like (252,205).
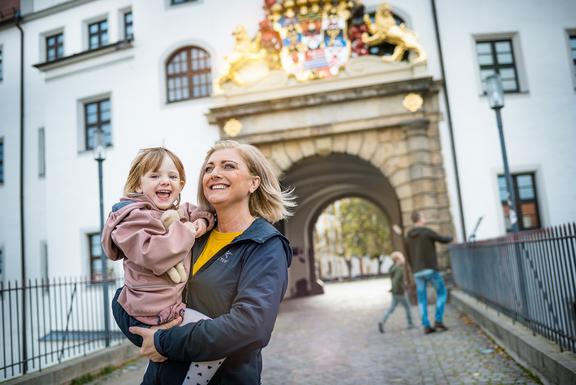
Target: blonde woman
(239,273)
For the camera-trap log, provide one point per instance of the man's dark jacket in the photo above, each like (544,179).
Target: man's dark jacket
(240,288)
(421,249)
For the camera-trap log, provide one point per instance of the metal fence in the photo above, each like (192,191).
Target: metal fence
(530,276)
(63,320)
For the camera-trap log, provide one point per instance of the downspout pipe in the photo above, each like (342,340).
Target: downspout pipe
(449,120)
(17,20)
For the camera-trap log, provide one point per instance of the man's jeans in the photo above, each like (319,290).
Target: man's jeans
(422,278)
(395,300)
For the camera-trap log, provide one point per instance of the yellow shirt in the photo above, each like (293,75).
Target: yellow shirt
(216,241)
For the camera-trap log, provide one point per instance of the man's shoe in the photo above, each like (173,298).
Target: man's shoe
(429,329)
(440,326)
(381,327)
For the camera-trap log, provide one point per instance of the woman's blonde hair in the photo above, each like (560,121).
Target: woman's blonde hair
(268,201)
(150,159)
(398,257)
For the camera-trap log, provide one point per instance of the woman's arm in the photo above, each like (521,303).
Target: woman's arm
(249,323)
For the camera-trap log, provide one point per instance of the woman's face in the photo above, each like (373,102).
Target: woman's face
(226,180)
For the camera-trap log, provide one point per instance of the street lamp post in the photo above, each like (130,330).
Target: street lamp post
(100,157)
(495,95)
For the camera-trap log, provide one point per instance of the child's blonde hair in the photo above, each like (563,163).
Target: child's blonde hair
(398,257)
(150,159)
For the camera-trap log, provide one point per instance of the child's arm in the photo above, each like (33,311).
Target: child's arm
(191,213)
(144,240)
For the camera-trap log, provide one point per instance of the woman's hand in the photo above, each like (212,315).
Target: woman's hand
(148,348)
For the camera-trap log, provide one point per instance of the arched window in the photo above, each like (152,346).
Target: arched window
(188,74)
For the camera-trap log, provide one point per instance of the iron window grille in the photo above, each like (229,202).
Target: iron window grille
(128,26)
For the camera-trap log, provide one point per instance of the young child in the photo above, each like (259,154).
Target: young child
(397,277)
(153,234)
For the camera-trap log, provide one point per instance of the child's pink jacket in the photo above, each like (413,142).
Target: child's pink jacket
(135,234)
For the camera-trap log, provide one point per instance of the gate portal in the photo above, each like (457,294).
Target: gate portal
(372,134)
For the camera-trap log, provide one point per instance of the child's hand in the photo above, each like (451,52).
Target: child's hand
(201,227)
(169,217)
(174,275)
(177,273)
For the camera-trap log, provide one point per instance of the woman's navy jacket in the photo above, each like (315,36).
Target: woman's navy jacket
(240,288)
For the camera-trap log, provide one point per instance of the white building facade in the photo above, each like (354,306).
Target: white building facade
(108,64)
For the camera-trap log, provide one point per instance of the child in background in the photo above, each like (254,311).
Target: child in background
(397,290)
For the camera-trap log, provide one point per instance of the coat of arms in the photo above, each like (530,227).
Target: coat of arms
(315,39)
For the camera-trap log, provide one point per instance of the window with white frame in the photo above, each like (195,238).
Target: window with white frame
(497,57)
(188,74)
(2,277)
(128,25)
(97,34)
(527,208)
(41,153)
(95,257)
(54,47)
(177,2)
(44,261)
(1,160)
(97,116)
(572,40)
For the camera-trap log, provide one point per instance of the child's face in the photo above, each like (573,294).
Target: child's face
(163,185)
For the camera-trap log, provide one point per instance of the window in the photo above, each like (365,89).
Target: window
(572,39)
(41,153)
(54,47)
(497,56)
(176,2)
(1,65)
(2,264)
(97,34)
(527,208)
(44,262)
(97,117)
(95,254)
(128,26)
(1,160)
(188,74)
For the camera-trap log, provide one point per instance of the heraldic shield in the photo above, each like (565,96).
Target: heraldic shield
(314,44)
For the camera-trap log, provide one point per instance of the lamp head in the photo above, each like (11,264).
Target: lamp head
(494,91)
(99,150)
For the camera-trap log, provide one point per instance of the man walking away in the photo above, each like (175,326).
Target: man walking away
(422,257)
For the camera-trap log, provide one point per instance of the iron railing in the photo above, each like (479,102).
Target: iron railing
(64,320)
(529,276)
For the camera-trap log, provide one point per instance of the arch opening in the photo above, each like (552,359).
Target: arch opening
(320,181)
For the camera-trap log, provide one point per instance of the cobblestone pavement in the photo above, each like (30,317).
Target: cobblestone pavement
(333,339)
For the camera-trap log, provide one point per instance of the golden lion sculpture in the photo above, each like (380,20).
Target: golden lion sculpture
(385,30)
(246,50)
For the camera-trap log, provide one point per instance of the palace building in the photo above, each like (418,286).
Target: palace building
(384,101)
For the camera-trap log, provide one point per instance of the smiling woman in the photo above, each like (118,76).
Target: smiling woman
(239,275)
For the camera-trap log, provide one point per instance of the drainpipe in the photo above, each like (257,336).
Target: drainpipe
(449,119)
(17,20)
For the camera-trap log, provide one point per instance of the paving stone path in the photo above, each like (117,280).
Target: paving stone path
(333,339)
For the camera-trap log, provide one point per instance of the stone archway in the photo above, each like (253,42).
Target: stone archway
(358,126)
